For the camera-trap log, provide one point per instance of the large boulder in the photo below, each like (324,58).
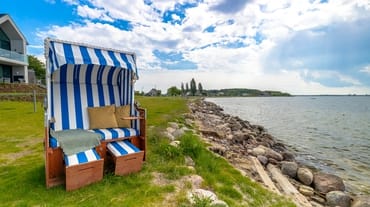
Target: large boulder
(338,198)
(305,175)
(273,154)
(288,156)
(324,183)
(361,201)
(260,150)
(289,168)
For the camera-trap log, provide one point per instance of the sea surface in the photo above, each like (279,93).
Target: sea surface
(330,133)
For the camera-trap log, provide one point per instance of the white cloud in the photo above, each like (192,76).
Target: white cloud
(366,69)
(71,2)
(93,13)
(219,66)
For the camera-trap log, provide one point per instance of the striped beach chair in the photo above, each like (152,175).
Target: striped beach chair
(78,77)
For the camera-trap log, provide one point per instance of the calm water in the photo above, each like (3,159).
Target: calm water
(331,133)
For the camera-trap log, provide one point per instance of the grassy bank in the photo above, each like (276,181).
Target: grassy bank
(22,166)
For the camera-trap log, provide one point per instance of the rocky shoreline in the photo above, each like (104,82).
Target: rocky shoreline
(242,143)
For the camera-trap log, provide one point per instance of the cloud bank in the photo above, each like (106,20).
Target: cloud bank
(300,47)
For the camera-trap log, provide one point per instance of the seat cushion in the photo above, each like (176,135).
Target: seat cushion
(121,148)
(81,157)
(102,117)
(121,113)
(107,134)
(114,133)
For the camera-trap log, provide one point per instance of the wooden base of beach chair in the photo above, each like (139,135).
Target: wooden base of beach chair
(54,167)
(84,174)
(140,142)
(127,164)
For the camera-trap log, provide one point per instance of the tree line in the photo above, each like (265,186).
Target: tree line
(185,90)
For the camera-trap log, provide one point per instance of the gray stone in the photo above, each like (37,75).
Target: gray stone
(170,130)
(273,154)
(178,133)
(306,190)
(318,199)
(189,122)
(189,161)
(201,194)
(305,175)
(273,161)
(361,201)
(325,183)
(258,151)
(195,180)
(289,168)
(338,198)
(288,156)
(235,126)
(173,125)
(219,149)
(169,135)
(263,160)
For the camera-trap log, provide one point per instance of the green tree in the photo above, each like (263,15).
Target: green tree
(187,88)
(173,91)
(200,88)
(37,66)
(193,87)
(182,89)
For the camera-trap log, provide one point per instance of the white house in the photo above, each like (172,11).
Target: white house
(13,53)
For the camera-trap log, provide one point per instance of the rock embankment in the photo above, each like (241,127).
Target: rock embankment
(239,141)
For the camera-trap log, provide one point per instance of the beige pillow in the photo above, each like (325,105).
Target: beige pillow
(121,112)
(102,117)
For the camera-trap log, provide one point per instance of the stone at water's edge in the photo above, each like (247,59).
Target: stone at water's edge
(325,183)
(270,153)
(305,175)
(288,156)
(361,201)
(338,198)
(289,168)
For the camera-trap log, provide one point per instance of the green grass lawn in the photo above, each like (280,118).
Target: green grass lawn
(22,176)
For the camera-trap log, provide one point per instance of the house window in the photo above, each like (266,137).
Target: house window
(4,40)
(5,74)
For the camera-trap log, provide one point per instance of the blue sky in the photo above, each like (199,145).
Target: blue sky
(296,46)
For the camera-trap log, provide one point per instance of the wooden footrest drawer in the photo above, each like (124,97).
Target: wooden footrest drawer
(127,157)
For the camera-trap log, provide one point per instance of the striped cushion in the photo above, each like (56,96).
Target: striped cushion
(121,148)
(107,134)
(114,133)
(81,157)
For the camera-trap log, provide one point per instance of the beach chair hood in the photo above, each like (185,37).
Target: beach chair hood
(59,53)
(80,76)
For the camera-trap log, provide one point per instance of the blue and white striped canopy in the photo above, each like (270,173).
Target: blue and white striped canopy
(81,76)
(60,53)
